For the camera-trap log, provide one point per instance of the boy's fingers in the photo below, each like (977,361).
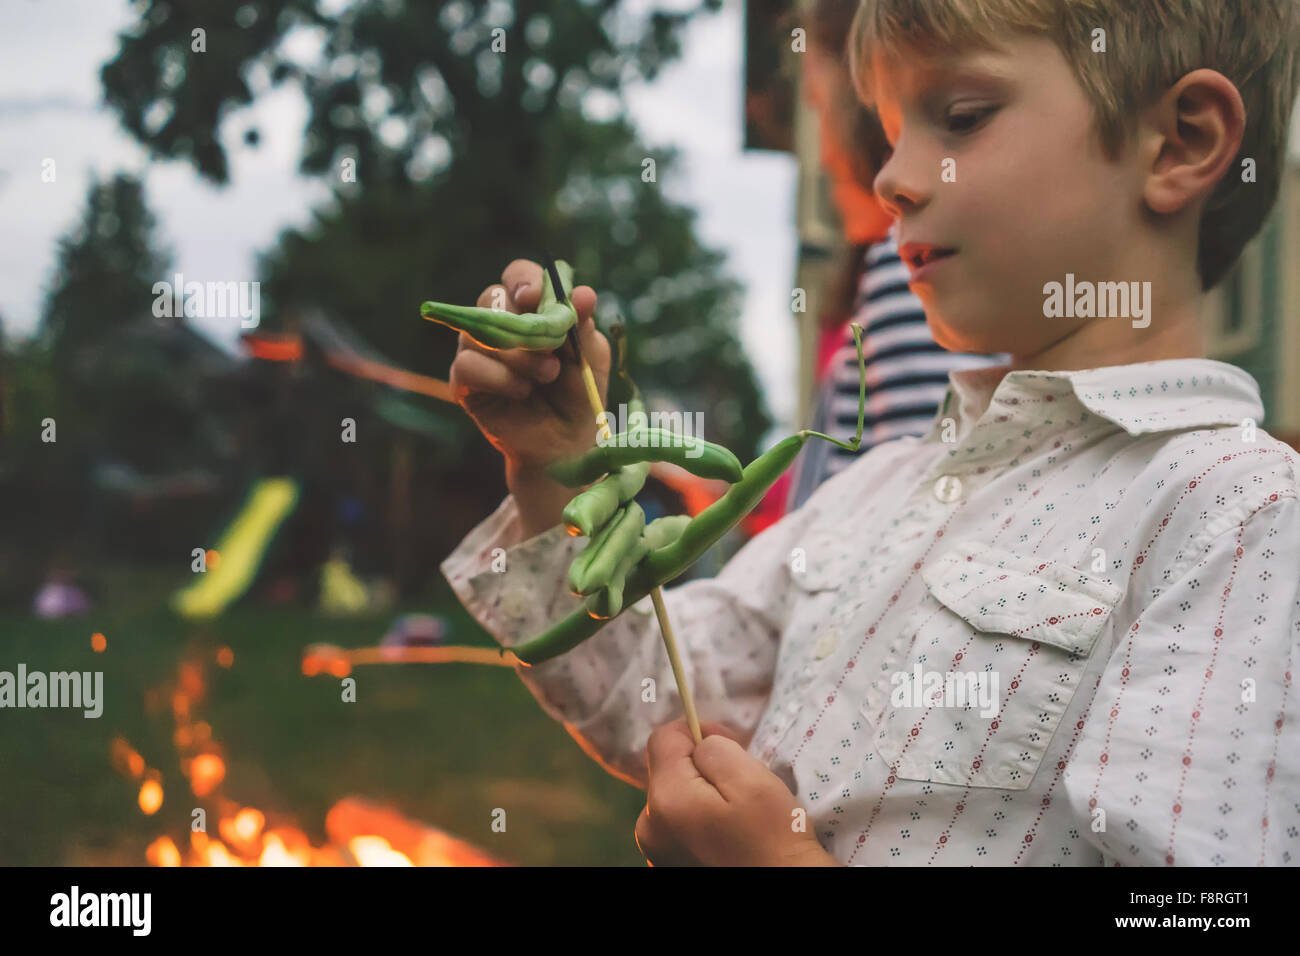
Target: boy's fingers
(710,727)
(584,300)
(496,297)
(538,365)
(472,371)
(523,281)
(668,746)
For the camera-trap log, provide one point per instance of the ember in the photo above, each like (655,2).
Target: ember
(360,833)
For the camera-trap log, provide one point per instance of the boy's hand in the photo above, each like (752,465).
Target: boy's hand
(531,404)
(715,805)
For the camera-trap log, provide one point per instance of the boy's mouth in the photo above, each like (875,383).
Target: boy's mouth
(919,254)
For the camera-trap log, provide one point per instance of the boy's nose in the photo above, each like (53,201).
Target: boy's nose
(898,187)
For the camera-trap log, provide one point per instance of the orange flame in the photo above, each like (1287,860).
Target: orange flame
(163,852)
(151,797)
(206,771)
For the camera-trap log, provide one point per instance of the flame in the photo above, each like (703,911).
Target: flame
(217,855)
(206,772)
(151,797)
(163,852)
(375,851)
(125,758)
(359,833)
(274,853)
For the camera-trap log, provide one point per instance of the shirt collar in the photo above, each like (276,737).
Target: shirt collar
(1141,398)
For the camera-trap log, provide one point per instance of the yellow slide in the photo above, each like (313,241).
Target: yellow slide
(241,549)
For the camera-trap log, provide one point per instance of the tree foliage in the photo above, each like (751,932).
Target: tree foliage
(457,136)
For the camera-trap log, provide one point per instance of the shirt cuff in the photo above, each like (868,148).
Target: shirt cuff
(515,589)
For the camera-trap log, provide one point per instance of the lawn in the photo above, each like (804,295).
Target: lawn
(443,744)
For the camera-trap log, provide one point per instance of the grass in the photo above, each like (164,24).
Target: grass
(444,744)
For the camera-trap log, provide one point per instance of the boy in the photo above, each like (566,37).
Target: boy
(1061,627)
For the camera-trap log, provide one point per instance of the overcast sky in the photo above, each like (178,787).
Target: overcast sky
(50,98)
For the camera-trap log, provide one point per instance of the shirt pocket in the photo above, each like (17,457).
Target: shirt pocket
(980,675)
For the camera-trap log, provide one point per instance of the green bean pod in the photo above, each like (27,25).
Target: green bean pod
(608,601)
(610,549)
(699,457)
(499,329)
(591,509)
(664,531)
(666,563)
(578,566)
(544,329)
(715,520)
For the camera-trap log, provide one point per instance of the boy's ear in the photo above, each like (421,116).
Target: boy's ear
(1195,130)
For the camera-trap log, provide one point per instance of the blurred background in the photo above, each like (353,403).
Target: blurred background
(190,499)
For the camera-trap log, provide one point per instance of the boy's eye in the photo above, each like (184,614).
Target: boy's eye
(963,121)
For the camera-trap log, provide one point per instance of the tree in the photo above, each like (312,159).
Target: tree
(455,137)
(104,275)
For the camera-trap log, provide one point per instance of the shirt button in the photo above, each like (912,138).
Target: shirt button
(826,644)
(516,601)
(947,488)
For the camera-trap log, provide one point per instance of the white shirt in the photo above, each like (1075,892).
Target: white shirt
(1115,552)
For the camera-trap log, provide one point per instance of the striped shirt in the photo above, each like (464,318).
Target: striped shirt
(907,372)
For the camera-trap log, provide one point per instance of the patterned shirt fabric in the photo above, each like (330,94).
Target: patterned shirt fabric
(1065,636)
(906,371)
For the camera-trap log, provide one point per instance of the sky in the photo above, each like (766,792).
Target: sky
(50,108)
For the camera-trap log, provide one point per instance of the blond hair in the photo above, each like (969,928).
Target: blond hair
(1150,45)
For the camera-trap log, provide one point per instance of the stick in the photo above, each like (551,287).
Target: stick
(656,595)
(687,701)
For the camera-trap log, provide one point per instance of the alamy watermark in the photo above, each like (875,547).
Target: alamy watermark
(207,300)
(1099,300)
(75,908)
(55,689)
(922,688)
(639,430)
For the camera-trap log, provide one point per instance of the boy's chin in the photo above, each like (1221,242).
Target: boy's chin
(979,337)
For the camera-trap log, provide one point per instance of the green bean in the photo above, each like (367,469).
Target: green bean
(664,531)
(578,567)
(608,601)
(610,548)
(715,520)
(546,328)
(590,509)
(666,563)
(696,455)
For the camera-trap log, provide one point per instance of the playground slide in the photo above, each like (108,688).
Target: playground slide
(241,549)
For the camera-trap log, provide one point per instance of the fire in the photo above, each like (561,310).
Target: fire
(163,852)
(359,833)
(206,773)
(375,851)
(151,797)
(125,758)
